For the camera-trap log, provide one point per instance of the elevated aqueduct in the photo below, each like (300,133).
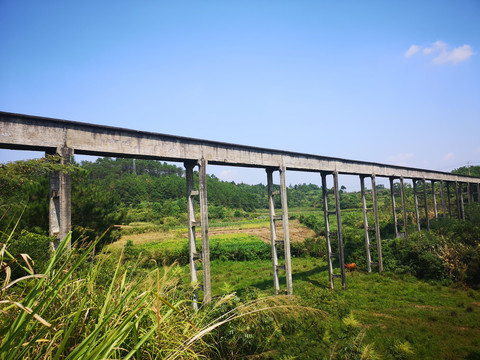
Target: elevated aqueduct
(54,136)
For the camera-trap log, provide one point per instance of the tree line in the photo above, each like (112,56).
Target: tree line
(113,191)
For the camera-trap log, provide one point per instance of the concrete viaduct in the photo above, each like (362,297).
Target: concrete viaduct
(66,138)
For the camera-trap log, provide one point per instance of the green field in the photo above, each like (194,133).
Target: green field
(398,316)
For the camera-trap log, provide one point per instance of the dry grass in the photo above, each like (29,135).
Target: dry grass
(298,233)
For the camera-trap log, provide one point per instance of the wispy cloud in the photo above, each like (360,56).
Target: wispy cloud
(449,156)
(400,159)
(412,50)
(442,52)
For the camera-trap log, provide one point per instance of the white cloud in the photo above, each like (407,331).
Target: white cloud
(449,156)
(457,55)
(442,52)
(400,159)
(438,46)
(412,50)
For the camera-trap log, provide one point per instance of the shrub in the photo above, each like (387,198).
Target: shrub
(418,253)
(35,245)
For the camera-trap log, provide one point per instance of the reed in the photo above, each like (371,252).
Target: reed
(86,307)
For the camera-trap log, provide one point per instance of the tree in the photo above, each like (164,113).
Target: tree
(471,170)
(24,192)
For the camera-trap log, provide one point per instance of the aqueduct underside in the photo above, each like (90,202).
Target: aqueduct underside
(66,138)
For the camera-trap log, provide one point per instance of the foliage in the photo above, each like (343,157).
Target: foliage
(15,175)
(470,170)
(36,246)
(24,192)
(94,210)
(417,255)
(236,247)
(451,250)
(95,308)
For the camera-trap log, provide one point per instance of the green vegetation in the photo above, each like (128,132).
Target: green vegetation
(470,170)
(133,299)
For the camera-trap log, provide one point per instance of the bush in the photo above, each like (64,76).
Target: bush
(314,247)
(451,250)
(35,245)
(419,253)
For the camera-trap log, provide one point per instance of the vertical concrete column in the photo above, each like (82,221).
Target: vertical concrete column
(462,204)
(442,194)
(286,230)
(449,200)
(415,195)
(377,225)
(394,207)
(193,255)
(273,229)
(458,199)
(327,228)
(434,196)
(365,223)
(404,207)
(478,192)
(60,212)
(202,189)
(339,229)
(425,204)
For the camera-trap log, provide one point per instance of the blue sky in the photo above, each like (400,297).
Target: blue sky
(393,82)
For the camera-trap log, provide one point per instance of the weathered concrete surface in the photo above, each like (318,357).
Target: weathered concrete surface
(60,213)
(27,132)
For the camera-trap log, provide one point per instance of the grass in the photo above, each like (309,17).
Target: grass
(229,241)
(387,316)
(397,314)
(432,320)
(83,308)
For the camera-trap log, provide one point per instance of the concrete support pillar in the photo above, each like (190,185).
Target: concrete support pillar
(478,192)
(202,189)
(286,231)
(404,208)
(377,226)
(192,223)
(434,197)
(442,195)
(425,204)
(365,223)
(273,229)
(394,208)
(60,213)
(461,211)
(339,229)
(462,202)
(415,195)
(327,228)
(469,193)
(449,200)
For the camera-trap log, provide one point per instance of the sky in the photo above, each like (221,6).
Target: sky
(394,82)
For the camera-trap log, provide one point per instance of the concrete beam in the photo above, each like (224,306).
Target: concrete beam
(27,132)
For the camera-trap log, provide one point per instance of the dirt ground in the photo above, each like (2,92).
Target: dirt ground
(298,232)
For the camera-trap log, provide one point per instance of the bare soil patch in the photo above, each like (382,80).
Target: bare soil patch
(298,233)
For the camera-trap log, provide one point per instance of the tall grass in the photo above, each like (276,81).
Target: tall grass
(80,308)
(99,308)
